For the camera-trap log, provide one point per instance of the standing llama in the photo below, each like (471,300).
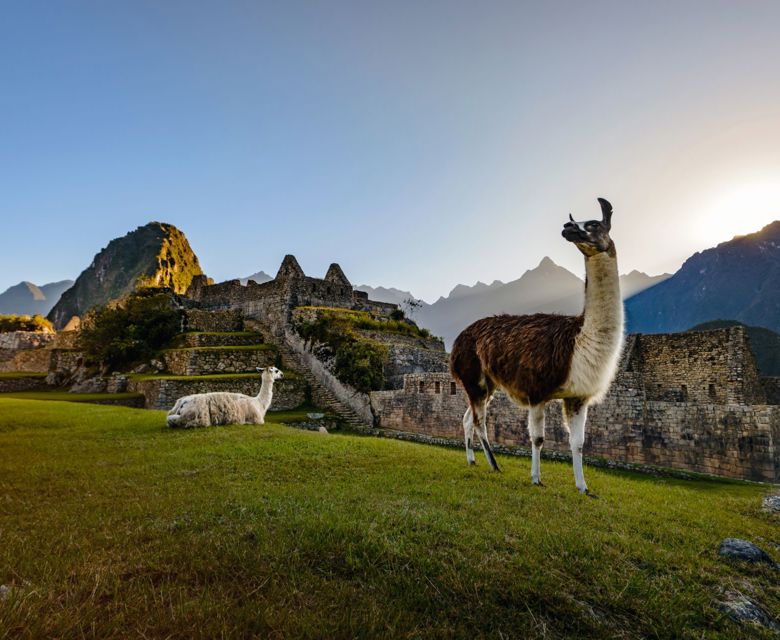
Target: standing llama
(542,357)
(219,407)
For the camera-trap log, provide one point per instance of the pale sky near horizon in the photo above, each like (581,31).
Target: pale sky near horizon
(418,144)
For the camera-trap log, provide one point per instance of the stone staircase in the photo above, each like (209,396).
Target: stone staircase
(320,394)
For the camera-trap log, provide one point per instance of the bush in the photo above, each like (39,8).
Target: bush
(357,361)
(24,323)
(122,334)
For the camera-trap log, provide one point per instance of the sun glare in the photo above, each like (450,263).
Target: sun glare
(738,210)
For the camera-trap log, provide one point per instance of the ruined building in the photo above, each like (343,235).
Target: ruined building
(689,401)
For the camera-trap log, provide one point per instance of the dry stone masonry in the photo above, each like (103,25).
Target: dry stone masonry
(691,402)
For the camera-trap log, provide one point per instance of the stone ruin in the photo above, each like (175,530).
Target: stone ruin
(688,401)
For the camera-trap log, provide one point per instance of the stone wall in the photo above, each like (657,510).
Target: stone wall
(771,388)
(23,383)
(25,339)
(219,339)
(163,393)
(204,361)
(739,441)
(707,366)
(223,320)
(408,354)
(272,302)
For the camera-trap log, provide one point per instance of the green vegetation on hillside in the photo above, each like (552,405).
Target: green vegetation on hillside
(357,361)
(24,323)
(119,335)
(365,321)
(115,526)
(764,343)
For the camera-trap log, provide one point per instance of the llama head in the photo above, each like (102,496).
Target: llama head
(591,236)
(270,373)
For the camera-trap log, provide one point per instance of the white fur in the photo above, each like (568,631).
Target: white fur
(208,409)
(598,346)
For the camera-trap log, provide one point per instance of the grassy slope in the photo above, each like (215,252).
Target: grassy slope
(113,526)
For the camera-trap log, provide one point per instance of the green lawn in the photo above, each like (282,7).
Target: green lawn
(113,526)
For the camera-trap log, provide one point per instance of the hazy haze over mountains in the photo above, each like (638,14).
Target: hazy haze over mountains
(547,288)
(29,299)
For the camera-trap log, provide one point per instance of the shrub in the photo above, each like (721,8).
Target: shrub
(24,323)
(121,334)
(357,361)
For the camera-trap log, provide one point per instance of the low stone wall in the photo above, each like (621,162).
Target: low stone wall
(31,360)
(198,362)
(25,339)
(23,383)
(162,394)
(738,441)
(235,339)
(223,320)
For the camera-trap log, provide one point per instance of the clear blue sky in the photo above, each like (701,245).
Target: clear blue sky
(419,144)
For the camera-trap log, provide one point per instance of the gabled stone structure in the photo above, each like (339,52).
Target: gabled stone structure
(272,302)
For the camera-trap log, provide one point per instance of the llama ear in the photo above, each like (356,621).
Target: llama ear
(606,212)
(571,217)
(261,369)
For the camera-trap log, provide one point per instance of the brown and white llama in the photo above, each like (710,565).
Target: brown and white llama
(543,357)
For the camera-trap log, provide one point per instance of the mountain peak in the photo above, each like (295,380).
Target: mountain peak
(156,254)
(736,280)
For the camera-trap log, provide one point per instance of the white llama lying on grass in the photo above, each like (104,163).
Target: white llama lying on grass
(221,407)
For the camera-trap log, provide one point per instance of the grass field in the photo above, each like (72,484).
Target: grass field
(113,526)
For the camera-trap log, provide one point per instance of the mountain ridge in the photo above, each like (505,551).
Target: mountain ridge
(27,298)
(738,279)
(155,254)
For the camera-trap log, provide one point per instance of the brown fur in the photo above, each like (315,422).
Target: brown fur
(528,356)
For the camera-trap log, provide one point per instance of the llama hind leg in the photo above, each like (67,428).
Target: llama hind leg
(576,415)
(480,419)
(468,430)
(536,432)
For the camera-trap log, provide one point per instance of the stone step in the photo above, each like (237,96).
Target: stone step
(319,392)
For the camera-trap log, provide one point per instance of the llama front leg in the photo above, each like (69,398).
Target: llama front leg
(480,418)
(576,412)
(468,430)
(536,432)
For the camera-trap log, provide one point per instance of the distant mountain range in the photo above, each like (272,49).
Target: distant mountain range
(547,288)
(737,280)
(28,299)
(156,254)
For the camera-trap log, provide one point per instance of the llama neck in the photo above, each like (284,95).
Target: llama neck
(603,315)
(266,393)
